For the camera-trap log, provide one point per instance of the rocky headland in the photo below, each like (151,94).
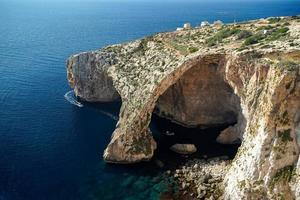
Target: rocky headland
(245,74)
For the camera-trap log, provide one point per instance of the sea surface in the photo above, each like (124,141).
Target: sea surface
(51,145)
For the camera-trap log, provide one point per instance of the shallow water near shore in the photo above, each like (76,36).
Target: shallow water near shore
(51,148)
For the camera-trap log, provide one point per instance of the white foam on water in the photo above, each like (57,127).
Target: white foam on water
(70,97)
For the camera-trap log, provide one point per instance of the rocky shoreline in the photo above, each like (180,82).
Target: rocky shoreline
(201,178)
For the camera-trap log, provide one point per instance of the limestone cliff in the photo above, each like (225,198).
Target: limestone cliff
(246,73)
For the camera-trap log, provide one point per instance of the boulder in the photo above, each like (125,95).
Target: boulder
(184,148)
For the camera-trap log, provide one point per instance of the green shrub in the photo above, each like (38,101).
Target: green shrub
(244,34)
(278,33)
(274,20)
(282,30)
(285,135)
(193,49)
(254,39)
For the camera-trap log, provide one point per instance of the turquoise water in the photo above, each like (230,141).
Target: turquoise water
(51,149)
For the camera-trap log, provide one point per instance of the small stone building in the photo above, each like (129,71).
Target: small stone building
(187,26)
(204,23)
(218,23)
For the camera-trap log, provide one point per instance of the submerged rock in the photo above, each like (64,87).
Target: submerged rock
(184,148)
(159,163)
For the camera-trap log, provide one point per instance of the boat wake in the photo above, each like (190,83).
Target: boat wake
(109,115)
(70,97)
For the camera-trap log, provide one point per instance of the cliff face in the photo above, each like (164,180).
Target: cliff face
(87,75)
(205,77)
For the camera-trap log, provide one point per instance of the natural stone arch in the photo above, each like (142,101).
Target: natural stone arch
(132,140)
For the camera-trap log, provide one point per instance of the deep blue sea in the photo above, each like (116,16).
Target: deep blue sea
(51,149)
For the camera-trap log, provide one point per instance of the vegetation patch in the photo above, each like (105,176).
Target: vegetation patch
(278,33)
(222,34)
(288,65)
(285,174)
(296,17)
(182,49)
(274,20)
(244,34)
(285,135)
(254,39)
(269,27)
(193,49)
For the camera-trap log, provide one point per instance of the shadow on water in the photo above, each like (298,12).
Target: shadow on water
(203,139)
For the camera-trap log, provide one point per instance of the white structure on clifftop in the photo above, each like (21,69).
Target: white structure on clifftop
(204,23)
(218,23)
(186,26)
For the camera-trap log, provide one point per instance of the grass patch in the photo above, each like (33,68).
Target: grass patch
(182,49)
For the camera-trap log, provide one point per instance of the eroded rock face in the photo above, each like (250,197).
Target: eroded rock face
(201,97)
(87,74)
(270,99)
(264,82)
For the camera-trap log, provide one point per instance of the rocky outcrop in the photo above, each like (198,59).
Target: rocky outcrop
(205,77)
(87,74)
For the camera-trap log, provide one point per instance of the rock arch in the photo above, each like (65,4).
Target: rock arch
(132,140)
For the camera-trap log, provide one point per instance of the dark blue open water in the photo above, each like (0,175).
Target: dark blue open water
(51,149)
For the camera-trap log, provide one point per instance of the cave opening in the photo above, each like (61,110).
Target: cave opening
(195,110)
